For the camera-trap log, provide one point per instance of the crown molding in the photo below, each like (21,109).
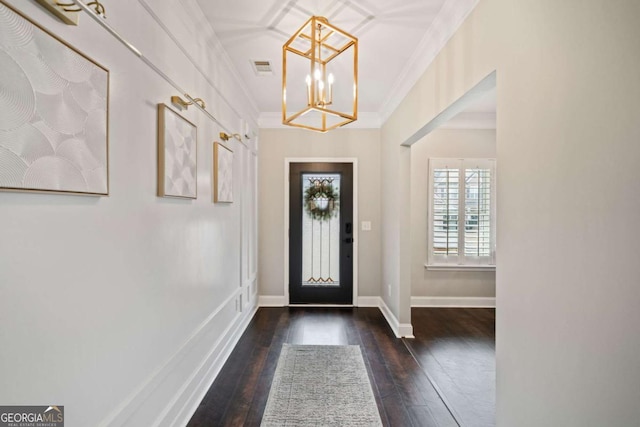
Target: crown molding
(446,23)
(273,120)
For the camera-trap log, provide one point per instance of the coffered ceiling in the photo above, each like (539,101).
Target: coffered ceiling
(397,41)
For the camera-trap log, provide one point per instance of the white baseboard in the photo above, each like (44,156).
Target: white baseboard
(280,301)
(368,301)
(461,302)
(322,305)
(401,330)
(272,301)
(170,395)
(405,330)
(201,383)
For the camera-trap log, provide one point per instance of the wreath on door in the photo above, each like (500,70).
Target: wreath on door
(321,200)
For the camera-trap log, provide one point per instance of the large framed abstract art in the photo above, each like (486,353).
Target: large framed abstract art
(222,174)
(177,155)
(54,112)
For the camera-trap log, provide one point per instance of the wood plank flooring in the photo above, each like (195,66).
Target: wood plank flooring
(403,390)
(456,349)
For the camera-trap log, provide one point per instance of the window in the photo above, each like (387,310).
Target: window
(462,202)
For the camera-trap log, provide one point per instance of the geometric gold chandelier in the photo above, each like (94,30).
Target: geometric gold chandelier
(320,77)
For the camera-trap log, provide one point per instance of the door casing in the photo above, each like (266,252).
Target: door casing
(287,163)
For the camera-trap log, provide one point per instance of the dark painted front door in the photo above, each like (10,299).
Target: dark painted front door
(321,233)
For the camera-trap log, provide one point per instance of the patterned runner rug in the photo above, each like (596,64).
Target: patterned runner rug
(321,386)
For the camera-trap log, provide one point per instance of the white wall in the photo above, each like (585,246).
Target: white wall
(396,234)
(123,308)
(428,283)
(567,343)
(276,145)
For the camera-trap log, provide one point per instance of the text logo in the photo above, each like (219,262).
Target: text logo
(32,416)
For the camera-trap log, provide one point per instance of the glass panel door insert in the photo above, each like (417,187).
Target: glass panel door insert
(320,229)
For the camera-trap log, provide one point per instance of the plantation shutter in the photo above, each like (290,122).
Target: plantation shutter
(478,211)
(445,191)
(462,212)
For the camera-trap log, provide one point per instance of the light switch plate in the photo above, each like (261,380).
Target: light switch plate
(69,18)
(366,226)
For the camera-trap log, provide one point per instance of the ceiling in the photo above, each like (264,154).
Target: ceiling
(397,40)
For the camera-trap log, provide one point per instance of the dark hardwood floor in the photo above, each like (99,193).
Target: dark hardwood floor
(402,386)
(456,349)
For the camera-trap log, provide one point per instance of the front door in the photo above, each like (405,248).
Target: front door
(321,233)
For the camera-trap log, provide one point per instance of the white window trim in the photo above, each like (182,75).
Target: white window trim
(458,267)
(460,263)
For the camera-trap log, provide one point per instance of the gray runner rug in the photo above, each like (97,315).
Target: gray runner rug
(321,385)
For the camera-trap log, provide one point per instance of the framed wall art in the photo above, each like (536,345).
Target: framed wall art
(177,155)
(222,174)
(54,112)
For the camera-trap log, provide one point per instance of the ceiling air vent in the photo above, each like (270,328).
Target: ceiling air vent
(262,68)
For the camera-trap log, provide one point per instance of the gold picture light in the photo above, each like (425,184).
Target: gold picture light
(97,6)
(225,136)
(67,11)
(183,105)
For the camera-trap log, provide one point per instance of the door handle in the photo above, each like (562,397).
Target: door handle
(348,240)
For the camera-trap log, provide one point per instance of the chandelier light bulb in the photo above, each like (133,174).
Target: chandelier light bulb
(330,80)
(308,81)
(321,100)
(317,74)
